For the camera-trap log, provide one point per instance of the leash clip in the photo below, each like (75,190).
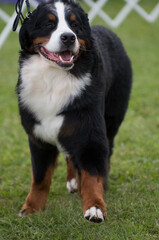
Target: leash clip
(28,8)
(18,8)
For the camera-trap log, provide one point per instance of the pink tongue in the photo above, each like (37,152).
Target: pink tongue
(52,57)
(66,56)
(49,54)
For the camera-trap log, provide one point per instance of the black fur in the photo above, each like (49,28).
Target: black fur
(96,115)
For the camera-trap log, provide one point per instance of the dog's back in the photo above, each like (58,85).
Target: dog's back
(115,75)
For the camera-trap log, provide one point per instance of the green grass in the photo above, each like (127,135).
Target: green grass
(133,195)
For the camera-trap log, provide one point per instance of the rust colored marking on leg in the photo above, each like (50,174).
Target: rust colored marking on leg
(37,197)
(68,128)
(92,192)
(72,177)
(70,169)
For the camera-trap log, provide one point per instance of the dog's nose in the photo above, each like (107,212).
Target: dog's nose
(68,38)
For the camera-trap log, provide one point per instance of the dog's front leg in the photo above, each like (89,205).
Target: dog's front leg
(43,164)
(92,179)
(92,192)
(72,177)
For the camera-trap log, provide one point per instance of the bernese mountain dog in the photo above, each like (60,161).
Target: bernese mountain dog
(73,91)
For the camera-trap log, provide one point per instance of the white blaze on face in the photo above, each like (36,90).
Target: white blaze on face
(54,43)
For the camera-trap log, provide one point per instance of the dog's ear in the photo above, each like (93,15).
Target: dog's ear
(84,20)
(24,36)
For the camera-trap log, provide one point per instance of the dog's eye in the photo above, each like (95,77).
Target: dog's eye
(50,25)
(74,24)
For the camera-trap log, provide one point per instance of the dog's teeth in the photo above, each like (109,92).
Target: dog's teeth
(61,59)
(56,55)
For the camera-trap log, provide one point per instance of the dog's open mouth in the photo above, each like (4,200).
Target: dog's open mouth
(63,59)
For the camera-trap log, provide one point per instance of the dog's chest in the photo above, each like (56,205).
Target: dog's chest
(45,91)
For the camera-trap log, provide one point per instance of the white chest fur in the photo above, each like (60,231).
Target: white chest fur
(45,90)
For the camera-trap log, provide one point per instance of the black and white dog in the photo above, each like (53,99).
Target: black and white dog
(73,90)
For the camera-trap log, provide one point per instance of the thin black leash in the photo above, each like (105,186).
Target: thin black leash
(20,17)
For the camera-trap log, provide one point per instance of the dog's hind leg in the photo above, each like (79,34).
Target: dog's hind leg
(43,165)
(116,102)
(71,178)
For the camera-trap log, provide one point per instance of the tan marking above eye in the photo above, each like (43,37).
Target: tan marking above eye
(52,17)
(73,17)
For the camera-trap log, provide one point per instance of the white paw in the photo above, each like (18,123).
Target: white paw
(72,185)
(94,214)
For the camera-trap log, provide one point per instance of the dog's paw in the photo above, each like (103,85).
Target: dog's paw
(72,185)
(25,211)
(94,214)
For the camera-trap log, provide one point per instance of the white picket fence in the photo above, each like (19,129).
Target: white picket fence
(130,5)
(9,22)
(95,10)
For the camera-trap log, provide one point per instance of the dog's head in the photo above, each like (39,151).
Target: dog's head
(58,31)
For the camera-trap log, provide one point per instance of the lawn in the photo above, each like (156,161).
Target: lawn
(133,195)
